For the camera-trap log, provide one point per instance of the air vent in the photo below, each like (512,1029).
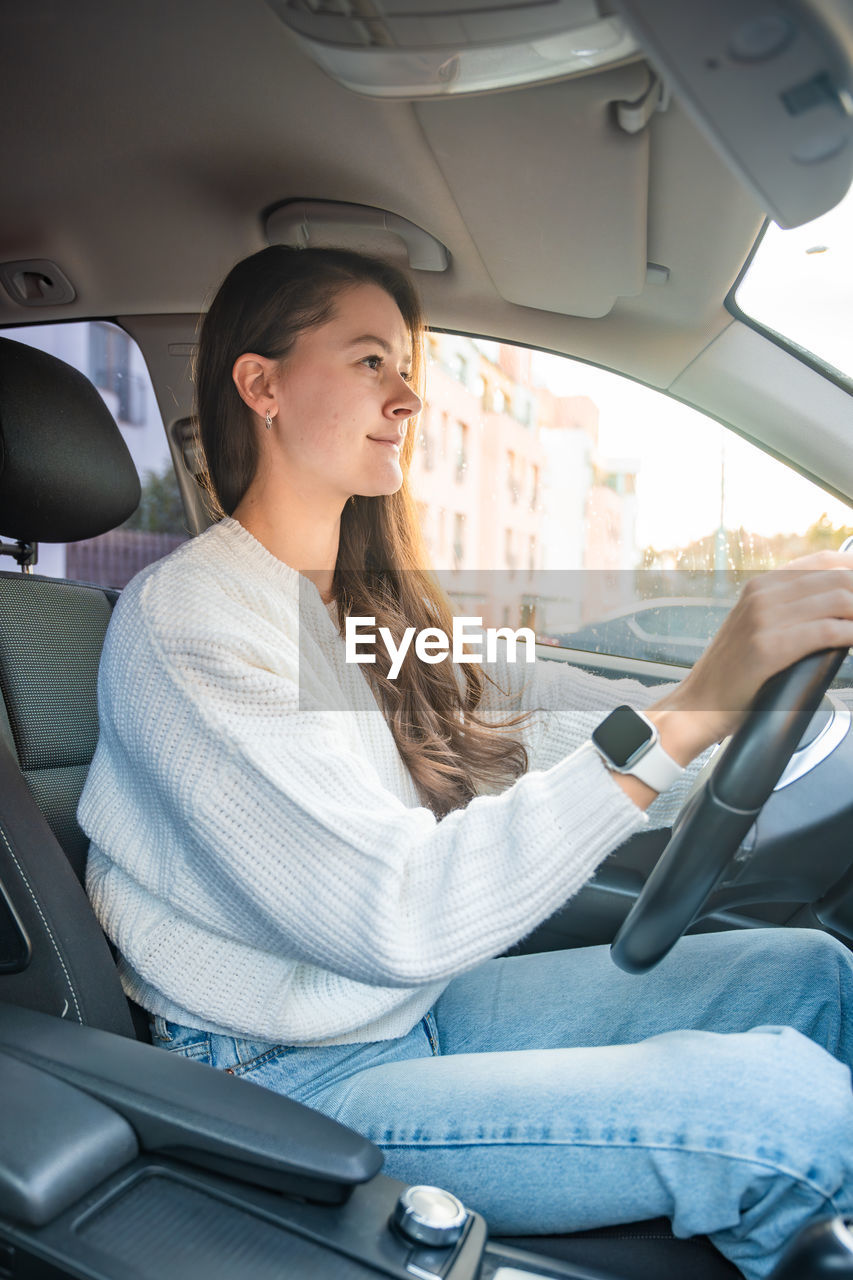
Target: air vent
(428,48)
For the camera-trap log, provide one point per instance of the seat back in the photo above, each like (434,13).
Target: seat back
(50,646)
(65,474)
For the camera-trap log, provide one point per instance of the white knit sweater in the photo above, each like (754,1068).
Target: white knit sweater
(259,853)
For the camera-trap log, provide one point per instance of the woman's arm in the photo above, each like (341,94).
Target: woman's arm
(779,617)
(223,788)
(567,703)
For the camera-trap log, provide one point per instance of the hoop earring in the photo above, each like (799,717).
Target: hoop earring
(268,421)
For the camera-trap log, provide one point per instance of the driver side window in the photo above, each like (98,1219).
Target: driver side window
(608,517)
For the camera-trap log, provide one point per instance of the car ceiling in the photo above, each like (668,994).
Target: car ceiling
(144,143)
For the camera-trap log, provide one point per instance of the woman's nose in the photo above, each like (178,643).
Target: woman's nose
(408,402)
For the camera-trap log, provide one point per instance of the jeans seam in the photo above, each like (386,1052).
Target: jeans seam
(240,1068)
(622,1146)
(428,1023)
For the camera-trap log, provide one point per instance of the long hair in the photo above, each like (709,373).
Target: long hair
(262,306)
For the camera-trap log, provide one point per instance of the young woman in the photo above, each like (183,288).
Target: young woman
(308,867)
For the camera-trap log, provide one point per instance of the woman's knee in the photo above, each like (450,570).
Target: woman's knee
(801,970)
(827,955)
(795,1104)
(800,946)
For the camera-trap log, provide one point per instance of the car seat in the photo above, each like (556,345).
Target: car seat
(66,474)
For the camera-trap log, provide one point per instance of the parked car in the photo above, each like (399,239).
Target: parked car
(675,631)
(666,630)
(572,188)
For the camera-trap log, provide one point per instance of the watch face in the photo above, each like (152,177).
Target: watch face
(622,736)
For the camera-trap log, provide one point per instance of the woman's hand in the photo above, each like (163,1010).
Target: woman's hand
(779,617)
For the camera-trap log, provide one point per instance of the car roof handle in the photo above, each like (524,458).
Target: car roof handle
(324,223)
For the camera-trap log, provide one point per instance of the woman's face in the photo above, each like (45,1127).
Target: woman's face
(344,400)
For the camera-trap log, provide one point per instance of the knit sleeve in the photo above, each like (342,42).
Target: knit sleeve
(289,838)
(563,704)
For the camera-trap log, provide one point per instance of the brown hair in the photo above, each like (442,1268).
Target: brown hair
(262,306)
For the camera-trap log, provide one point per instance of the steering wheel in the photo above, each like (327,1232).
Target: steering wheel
(711,826)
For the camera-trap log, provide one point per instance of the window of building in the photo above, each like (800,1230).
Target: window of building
(520,404)
(426,442)
(459,367)
(512,475)
(458,539)
(460,450)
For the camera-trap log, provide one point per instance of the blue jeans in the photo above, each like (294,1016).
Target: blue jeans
(554,1093)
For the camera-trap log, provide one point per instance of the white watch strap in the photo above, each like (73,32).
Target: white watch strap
(657,769)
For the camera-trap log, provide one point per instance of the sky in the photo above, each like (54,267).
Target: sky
(806,295)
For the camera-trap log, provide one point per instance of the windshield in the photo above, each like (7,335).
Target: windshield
(800,284)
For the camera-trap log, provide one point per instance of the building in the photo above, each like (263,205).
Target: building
(524,520)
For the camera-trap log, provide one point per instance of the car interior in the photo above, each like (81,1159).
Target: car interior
(581,177)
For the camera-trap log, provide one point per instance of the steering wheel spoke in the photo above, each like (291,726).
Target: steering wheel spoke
(717,817)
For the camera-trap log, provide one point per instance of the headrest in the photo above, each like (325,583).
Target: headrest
(65,470)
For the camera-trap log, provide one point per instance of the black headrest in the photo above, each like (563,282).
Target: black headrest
(65,470)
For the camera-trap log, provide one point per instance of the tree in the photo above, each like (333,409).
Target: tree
(160,508)
(823,536)
(747,552)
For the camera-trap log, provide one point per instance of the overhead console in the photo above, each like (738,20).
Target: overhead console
(429,48)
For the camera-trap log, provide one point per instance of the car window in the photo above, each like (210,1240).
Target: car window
(799,284)
(605,515)
(109,357)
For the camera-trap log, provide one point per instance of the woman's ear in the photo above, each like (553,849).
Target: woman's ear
(255,378)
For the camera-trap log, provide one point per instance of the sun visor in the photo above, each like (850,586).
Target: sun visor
(770,83)
(497,152)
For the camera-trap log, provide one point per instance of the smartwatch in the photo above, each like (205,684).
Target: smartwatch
(629,743)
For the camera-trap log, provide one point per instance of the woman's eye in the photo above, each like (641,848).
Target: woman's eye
(376,363)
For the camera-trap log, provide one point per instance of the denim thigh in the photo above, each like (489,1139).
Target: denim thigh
(724,982)
(300,1072)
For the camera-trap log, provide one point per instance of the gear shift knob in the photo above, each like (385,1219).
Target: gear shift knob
(822,1251)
